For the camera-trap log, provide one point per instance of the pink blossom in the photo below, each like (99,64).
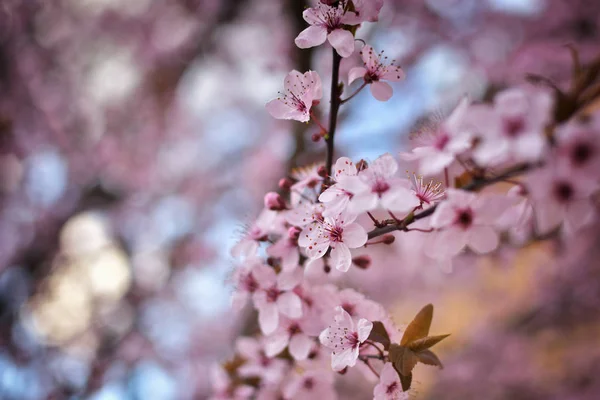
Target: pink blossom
(310,385)
(300,90)
(560,195)
(427,193)
(223,388)
(340,233)
(286,248)
(513,130)
(467,219)
(578,144)
(258,363)
(275,297)
(295,335)
(304,213)
(307,184)
(378,185)
(389,386)
(247,246)
(246,282)
(374,72)
(327,23)
(518,219)
(336,198)
(353,302)
(344,339)
(440,143)
(368,10)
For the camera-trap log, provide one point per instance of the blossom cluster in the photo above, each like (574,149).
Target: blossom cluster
(511,171)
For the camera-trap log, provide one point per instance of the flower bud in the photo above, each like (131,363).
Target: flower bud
(322,171)
(316,137)
(285,184)
(274,202)
(362,262)
(388,239)
(294,232)
(361,165)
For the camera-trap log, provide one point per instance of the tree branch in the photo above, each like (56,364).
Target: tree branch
(333,111)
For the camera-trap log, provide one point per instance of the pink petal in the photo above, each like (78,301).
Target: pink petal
(448,243)
(311,37)
(300,346)
(346,358)
(393,74)
(363,202)
(268,318)
(287,280)
(343,167)
(483,239)
(443,215)
(370,58)
(313,81)
(343,41)
(382,91)
(356,73)
(400,199)
(275,343)
(290,305)
(311,16)
(239,300)
(364,328)
(354,236)
(385,166)
(247,347)
(279,110)
(293,81)
(341,259)
(343,319)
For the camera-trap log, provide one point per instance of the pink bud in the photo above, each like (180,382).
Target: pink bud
(285,184)
(389,239)
(322,171)
(294,232)
(362,262)
(274,202)
(316,137)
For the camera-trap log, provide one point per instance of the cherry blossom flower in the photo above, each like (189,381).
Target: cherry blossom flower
(578,144)
(389,386)
(467,219)
(518,219)
(310,385)
(560,195)
(247,246)
(295,335)
(275,297)
(427,193)
(438,144)
(374,72)
(354,303)
(304,213)
(300,90)
(258,363)
(513,129)
(378,185)
(368,10)
(223,389)
(336,198)
(307,184)
(286,248)
(327,23)
(345,338)
(340,233)
(246,282)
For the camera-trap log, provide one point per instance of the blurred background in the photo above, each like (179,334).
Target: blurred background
(135,150)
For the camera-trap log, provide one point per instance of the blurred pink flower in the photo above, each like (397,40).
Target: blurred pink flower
(374,72)
(389,386)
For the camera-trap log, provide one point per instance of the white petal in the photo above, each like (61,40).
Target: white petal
(341,259)
(444,215)
(354,236)
(268,318)
(346,358)
(356,73)
(483,239)
(290,305)
(364,328)
(275,343)
(300,346)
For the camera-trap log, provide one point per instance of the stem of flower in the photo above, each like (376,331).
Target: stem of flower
(333,112)
(357,91)
(316,121)
(366,361)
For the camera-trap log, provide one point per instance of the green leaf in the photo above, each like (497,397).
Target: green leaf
(419,326)
(428,357)
(426,342)
(379,334)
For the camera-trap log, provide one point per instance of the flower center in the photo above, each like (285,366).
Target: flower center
(380,187)
(249,283)
(581,154)
(564,191)
(352,339)
(294,328)
(335,234)
(513,127)
(441,141)
(309,383)
(392,387)
(464,218)
(272,294)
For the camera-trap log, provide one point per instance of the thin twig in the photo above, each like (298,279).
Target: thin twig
(333,111)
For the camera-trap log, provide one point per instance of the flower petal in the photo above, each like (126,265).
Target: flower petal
(341,259)
(382,91)
(483,239)
(268,318)
(275,343)
(343,41)
(311,37)
(300,346)
(356,73)
(364,328)
(354,235)
(290,305)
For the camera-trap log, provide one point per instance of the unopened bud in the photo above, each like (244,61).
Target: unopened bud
(285,184)
(294,233)
(316,102)
(362,262)
(343,372)
(274,202)
(322,171)
(361,165)
(388,239)
(316,137)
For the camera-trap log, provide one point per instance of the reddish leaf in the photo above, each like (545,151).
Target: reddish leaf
(429,358)
(419,327)
(379,334)
(426,342)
